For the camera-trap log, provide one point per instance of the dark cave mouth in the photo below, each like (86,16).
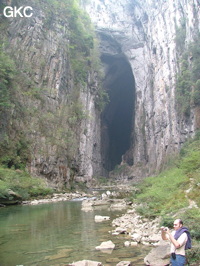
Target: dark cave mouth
(117,119)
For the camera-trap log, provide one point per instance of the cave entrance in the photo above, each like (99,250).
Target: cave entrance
(117,119)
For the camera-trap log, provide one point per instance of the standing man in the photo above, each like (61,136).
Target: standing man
(180,241)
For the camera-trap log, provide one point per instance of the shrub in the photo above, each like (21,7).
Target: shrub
(193,255)
(7,72)
(196,93)
(191,220)
(21,183)
(188,79)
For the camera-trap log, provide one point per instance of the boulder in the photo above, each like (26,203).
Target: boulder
(136,237)
(159,255)
(104,196)
(108,193)
(106,245)
(120,230)
(118,205)
(124,263)
(85,263)
(134,243)
(11,198)
(127,243)
(130,243)
(99,218)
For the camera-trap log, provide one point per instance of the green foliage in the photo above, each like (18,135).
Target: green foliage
(190,154)
(13,149)
(193,255)
(14,153)
(188,80)
(81,37)
(7,72)
(190,145)
(194,191)
(81,31)
(194,50)
(191,162)
(196,93)
(167,221)
(102,180)
(21,183)
(191,219)
(166,193)
(101,99)
(183,92)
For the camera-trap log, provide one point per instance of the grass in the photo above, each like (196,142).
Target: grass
(22,184)
(163,193)
(174,188)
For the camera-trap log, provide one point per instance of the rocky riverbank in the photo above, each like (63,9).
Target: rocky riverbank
(56,197)
(137,230)
(143,231)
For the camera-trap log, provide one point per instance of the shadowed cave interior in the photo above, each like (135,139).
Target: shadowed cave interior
(118,116)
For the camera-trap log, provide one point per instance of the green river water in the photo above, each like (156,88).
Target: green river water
(58,234)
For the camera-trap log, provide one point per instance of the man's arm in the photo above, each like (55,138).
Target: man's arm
(181,241)
(163,233)
(173,240)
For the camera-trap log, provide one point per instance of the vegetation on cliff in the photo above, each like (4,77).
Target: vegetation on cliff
(188,78)
(35,120)
(17,185)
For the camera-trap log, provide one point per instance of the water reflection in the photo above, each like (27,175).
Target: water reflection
(56,234)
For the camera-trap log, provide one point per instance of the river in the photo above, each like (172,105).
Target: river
(58,234)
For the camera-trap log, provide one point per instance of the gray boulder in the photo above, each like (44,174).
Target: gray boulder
(158,256)
(106,245)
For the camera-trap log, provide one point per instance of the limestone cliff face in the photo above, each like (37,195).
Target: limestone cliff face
(54,111)
(145,32)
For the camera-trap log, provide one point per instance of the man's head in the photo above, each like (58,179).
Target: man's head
(178,223)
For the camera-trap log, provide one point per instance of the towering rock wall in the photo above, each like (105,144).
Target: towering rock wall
(53,109)
(145,32)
